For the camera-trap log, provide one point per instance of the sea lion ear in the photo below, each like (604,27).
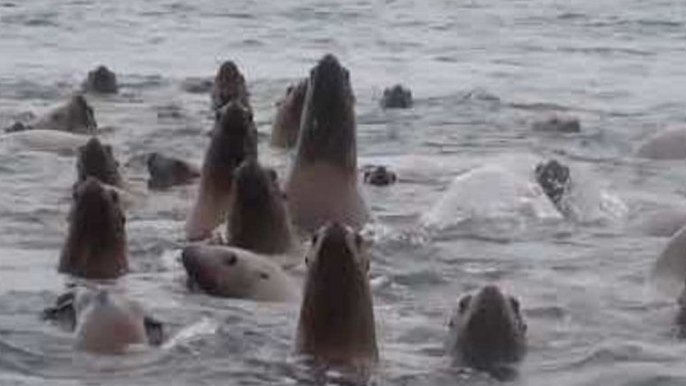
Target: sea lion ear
(464,303)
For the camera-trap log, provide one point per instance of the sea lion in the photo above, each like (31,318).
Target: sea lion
(229,85)
(286,124)
(379,176)
(75,117)
(487,330)
(555,179)
(60,142)
(236,273)
(336,324)
(104,322)
(168,171)
(558,124)
(322,182)
(101,80)
(668,144)
(396,97)
(95,247)
(259,220)
(97,160)
(234,140)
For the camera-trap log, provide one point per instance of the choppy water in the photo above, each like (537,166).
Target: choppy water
(481,72)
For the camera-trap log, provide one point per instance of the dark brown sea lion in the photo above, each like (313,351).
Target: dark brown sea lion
(379,176)
(286,124)
(101,80)
(336,325)
(487,331)
(234,140)
(97,160)
(74,117)
(322,183)
(168,171)
(558,124)
(396,97)
(229,85)
(96,245)
(259,219)
(104,322)
(236,273)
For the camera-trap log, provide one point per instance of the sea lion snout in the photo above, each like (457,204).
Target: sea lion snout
(554,178)
(97,160)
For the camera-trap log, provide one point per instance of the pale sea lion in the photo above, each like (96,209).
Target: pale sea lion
(322,183)
(59,142)
(104,322)
(168,171)
(75,117)
(396,97)
(229,85)
(96,245)
(236,273)
(558,124)
(487,331)
(336,324)
(101,80)
(286,124)
(97,160)
(234,140)
(664,145)
(259,219)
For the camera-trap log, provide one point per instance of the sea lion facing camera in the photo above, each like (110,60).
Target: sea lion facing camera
(101,80)
(336,325)
(259,220)
(168,171)
(236,273)
(229,85)
(74,117)
(104,322)
(97,160)
(487,330)
(95,247)
(322,183)
(233,141)
(554,178)
(286,124)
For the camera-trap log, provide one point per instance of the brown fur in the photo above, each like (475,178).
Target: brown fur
(286,126)
(229,85)
(322,184)
(233,141)
(259,219)
(96,244)
(336,323)
(96,160)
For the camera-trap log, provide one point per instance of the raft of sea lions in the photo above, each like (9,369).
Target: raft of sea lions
(245,223)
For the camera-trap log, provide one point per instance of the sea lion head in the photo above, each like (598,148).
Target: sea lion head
(336,323)
(327,128)
(229,84)
(166,171)
(396,97)
(487,330)
(101,80)
(286,125)
(554,178)
(221,271)
(258,219)
(96,160)
(96,244)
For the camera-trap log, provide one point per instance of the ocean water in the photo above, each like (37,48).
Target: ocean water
(481,72)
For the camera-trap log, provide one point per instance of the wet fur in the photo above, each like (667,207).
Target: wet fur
(286,126)
(229,85)
(96,160)
(96,245)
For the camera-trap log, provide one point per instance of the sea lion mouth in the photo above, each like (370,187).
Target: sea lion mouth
(96,160)
(328,120)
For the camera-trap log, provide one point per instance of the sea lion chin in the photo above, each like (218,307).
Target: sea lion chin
(259,219)
(336,324)
(322,183)
(95,247)
(487,330)
(234,139)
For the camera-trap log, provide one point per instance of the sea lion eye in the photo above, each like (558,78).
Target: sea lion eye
(231,260)
(315,237)
(464,303)
(264,276)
